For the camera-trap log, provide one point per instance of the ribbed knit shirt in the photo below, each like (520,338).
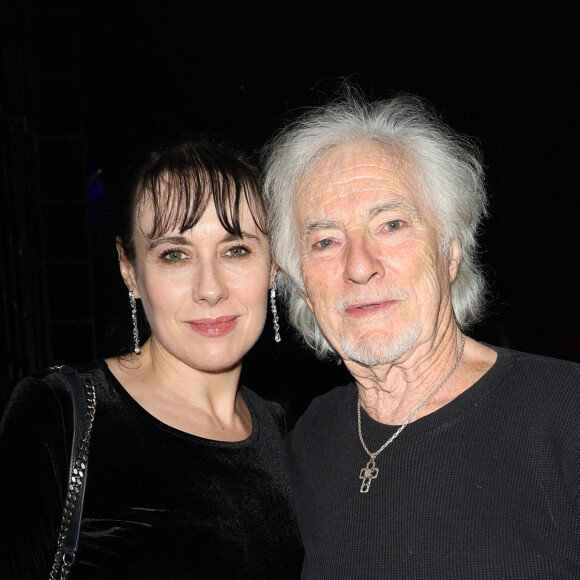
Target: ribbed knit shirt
(486,487)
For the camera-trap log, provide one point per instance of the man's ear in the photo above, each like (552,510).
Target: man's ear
(127,269)
(306,299)
(304,295)
(455,256)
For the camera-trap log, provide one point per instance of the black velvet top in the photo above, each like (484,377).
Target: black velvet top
(159,503)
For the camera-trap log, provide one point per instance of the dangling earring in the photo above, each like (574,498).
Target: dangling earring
(134,317)
(274,310)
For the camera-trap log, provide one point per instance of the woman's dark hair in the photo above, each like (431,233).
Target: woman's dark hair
(180,180)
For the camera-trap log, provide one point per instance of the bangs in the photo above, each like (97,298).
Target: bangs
(180,188)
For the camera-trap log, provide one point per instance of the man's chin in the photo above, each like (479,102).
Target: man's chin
(377,349)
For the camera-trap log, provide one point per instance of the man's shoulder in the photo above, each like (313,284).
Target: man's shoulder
(554,377)
(540,362)
(336,400)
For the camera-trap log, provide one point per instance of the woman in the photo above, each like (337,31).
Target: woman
(186,476)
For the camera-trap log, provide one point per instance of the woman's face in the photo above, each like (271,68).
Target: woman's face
(204,291)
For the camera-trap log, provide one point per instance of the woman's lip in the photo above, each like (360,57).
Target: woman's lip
(213,326)
(217,320)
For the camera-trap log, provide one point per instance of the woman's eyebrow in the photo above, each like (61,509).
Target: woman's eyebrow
(184,241)
(175,240)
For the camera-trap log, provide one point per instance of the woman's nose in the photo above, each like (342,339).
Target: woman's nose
(209,285)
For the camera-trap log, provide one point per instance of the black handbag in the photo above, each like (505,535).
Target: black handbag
(82,391)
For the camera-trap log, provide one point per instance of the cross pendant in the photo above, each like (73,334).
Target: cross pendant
(367,474)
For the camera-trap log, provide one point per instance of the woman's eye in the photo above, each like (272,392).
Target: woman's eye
(173,256)
(237,252)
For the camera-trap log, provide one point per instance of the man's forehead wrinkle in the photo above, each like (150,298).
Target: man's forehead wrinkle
(361,178)
(340,174)
(344,186)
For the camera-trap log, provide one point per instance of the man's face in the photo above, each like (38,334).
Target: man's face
(373,272)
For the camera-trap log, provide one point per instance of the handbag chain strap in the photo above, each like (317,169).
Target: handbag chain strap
(70,523)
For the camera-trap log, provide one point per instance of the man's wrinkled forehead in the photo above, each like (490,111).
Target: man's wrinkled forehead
(351,170)
(347,157)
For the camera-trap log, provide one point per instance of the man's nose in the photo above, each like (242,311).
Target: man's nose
(362,261)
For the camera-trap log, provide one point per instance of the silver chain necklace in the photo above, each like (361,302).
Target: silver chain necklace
(371,471)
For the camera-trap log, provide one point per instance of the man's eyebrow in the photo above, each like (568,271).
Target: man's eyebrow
(389,205)
(314,225)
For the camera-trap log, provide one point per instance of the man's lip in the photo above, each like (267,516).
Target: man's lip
(368,308)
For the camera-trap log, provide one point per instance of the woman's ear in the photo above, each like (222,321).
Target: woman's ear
(273,272)
(127,269)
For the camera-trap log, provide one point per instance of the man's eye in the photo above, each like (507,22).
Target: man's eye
(173,255)
(237,252)
(393,225)
(322,244)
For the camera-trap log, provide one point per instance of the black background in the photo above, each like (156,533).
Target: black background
(84,84)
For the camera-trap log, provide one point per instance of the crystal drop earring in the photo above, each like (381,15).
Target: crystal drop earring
(134,318)
(274,310)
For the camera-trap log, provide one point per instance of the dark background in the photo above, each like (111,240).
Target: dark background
(86,83)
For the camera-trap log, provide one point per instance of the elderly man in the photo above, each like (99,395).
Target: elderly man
(445,457)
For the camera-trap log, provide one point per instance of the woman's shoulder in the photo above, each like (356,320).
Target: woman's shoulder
(40,387)
(46,387)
